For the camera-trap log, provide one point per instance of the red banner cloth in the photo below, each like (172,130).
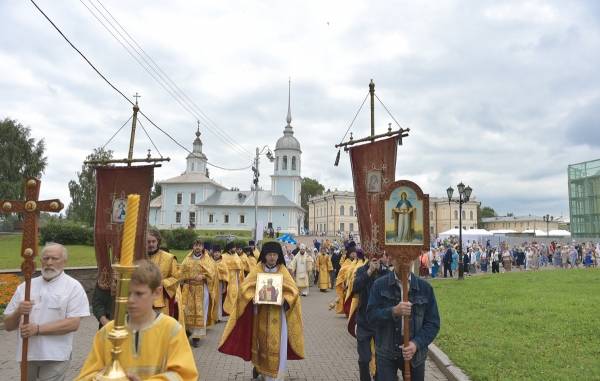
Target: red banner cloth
(368,160)
(113,186)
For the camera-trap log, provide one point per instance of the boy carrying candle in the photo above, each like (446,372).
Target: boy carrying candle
(156,344)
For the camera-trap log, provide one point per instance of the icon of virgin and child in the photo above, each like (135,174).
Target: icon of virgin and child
(404,215)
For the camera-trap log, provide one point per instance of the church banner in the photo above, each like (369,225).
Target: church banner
(373,170)
(113,186)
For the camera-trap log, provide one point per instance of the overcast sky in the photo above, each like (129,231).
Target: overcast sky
(501,95)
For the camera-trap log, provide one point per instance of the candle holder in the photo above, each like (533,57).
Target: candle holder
(114,371)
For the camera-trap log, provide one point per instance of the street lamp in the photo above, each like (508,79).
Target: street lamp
(269,154)
(548,218)
(464,194)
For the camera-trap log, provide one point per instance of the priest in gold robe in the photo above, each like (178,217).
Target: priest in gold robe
(251,258)
(235,276)
(341,283)
(221,277)
(169,303)
(351,303)
(239,249)
(199,272)
(266,334)
(324,267)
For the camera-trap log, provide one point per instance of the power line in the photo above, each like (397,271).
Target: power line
(118,91)
(162,83)
(174,84)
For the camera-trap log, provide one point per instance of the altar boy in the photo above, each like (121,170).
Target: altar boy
(156,344)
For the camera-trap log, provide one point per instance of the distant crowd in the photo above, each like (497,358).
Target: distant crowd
(526,256)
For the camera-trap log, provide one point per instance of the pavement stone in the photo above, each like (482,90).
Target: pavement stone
(330,350)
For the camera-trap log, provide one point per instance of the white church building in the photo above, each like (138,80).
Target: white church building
(195,199)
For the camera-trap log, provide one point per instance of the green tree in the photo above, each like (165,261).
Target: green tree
(156,190)
(484,212)
(21,157)
(309,188)
(83,191)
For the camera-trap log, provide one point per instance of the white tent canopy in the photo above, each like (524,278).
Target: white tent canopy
(477,235)
(559,233)
(537,232)
(502,231)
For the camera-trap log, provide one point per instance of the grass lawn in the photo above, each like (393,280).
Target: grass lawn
(522,326)
(79,255)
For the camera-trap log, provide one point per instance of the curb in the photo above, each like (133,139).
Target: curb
(445,364)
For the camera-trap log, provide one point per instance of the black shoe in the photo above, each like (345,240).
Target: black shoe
(255,374)
(195,343)
(188,334)
(218,321)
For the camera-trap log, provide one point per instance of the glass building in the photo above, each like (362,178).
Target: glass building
(584,199)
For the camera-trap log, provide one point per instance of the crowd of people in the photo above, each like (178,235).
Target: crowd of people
(525,256)
(171,307)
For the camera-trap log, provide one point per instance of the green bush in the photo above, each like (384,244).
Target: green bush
(214,241)
(66,234)
(181,239)
(166,237)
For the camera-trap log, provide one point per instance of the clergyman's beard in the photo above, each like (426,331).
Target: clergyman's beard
(153,252)
(50,273)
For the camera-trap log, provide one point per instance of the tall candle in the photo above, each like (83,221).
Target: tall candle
(131,219)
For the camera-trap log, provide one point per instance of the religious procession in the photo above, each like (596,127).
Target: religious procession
(154,310)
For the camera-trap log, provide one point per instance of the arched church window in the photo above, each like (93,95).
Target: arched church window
(277,163)
(192,167)
(284,164)
(431,215)
(456,214)
(471,215)
(341,210)
(351,210)
(293,163)
(464,214)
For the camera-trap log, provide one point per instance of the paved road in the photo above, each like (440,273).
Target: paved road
(330,350)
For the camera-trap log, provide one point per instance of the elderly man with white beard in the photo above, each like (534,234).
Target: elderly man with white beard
(56,306)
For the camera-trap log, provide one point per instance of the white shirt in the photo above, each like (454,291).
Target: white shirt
(62,297)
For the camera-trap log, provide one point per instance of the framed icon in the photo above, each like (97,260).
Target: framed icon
(404,218)
(374,181)
(269,289)
(119,207)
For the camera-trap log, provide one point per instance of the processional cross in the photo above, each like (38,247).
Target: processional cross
(29,245)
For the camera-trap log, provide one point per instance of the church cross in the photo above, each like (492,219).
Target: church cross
(29,245)
(136,96)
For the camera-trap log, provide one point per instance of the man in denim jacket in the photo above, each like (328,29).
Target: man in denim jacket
(386,311)
(363,281)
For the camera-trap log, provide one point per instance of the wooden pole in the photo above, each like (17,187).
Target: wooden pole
(29,244)
(405,285)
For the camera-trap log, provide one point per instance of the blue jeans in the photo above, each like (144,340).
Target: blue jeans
(387,369)
(363,346)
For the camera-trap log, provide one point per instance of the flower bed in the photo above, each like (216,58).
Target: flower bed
(8,286)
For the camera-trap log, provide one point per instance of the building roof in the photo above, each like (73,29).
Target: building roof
(192,178)
(246,199)
(155,203)
(513,218)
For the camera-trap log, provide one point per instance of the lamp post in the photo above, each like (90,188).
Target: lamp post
(464,194)
(548,218)
(269,154)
